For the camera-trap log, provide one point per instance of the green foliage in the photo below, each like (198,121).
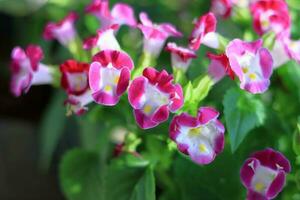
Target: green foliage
(195,93)
(243,112)
(51,129)
(296,139)
(80,175)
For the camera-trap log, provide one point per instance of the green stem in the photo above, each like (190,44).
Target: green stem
(146,60)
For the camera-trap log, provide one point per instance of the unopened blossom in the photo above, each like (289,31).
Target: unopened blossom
(181,57)
(153,96)
(120,14)
(27,70)
(155,35)
(264,173)
(204,32)
(63,31)
(200,137)
(109,76)
(251,63)
(221,7)
(271,15)
(104,39)
(219,67)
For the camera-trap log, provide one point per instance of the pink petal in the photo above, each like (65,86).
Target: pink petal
(206,114)
(273,159)
(161,115)
(266,62)
(144,121)
(103,98)
(123,81)
(123,14)
(94,76)
(277,185)
(248,170)
(177,100)
(136,91)
(35,55)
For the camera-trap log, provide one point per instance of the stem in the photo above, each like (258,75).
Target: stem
(146,60)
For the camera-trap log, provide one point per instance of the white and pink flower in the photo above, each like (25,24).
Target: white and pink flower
(104,39)
(263,174)
(155,35)
(271,15)
(204,32)
(74,77)
(63,31)
(221,7)
(152,96)
(27,70)
(181,57)
(200,137)
(75,82)
(109,76)
(120,14)
(252,64)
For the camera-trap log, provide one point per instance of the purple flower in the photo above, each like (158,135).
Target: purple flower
(152,96)
(63,31)
(200,137)
(109,76)
(155,35)
(105,39)
(204,32)
(27,70)
(252,63)
(263,174)
(181,57)
(120,14)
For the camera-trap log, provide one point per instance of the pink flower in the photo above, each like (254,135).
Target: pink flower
(120,14)
(200,137)
(252,63)
(74,77)
(204,32)
(74,80)
(221,7)
(27,70)
(155,35)
(152,96)
(181,57)
(263,174)
(219,67)
(105,39)
(292,49)
(109,76)
(271,15)
(63,31)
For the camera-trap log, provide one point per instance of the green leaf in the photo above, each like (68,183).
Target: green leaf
(202,87)
(243,112)
(51,129)
(217,181)
(296,139)
(80,175)
(145,188)
(129,183)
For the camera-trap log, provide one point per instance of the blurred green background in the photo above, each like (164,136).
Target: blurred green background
(29,137)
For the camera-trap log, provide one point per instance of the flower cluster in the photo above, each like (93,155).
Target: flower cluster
(102,73)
